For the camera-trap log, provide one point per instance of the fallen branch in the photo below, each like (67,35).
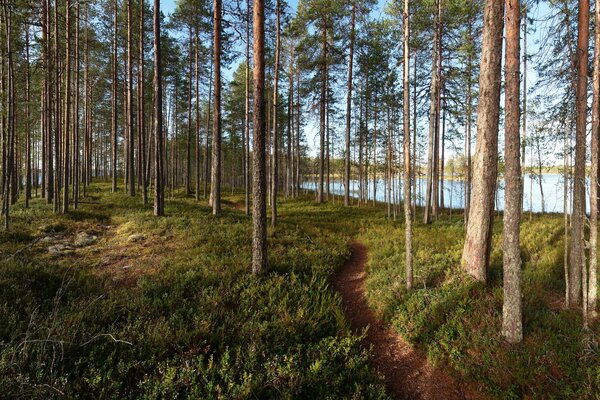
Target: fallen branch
(110,336)
(16,253)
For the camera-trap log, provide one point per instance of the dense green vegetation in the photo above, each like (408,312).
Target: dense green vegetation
(166,308)
(458,321)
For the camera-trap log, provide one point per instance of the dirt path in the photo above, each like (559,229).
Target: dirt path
(406,371)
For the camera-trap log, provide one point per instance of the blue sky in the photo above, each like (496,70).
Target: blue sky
(168,6)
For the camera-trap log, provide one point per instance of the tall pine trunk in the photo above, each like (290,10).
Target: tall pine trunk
(275,174)
(159,189)
(259,198)
(215,182)
(407,163)
(476,251)
(593,285)
(577,270)
(113,160)
(512,325)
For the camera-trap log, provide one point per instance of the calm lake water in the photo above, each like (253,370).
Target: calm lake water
(552,185)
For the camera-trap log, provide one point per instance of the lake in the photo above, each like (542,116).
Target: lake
(552,185)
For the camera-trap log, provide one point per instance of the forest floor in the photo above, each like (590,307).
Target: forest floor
(111,302)
(408,374)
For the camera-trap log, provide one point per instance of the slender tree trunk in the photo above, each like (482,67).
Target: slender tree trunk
(197,71)
(407,164)
(512,324)
(476,252)
(322,115)
(215,182)
(578,272)
(290,128)
(593,285)
(141,112)
(49,187)
(415,172)
(524,139)
(349,105)
(259,203)
(188,153)
(67,110)
(76,147)
(247,114)
(57,114)
(8,142)
(438,110)
(207,132)
(429,192)
(27,118)
(375,157)
(114,101)
(274,179)
(159,189)
(298,120)
(327,138)
(130,127)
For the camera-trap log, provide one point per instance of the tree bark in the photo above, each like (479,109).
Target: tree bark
(274,179)
(197,72)
(593,285)
(141,110)
(76,144)
(67,110)
(476,251)
(577,271)
(114,102)
(188,153)
(27,122)
(349,106)
(247,115)
(215,182)
(322,114)
(429,192)
(512,323)
(159,189)
(407,163)
(130,127)
(259,203)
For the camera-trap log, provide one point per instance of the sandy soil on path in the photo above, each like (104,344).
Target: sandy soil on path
(406,371)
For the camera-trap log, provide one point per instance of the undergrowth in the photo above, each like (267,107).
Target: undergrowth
(167,307)
(458,322)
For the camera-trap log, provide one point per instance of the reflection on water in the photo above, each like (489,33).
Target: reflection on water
(552,186)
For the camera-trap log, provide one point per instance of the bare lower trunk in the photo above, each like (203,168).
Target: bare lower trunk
(275,177)
(259,203)
(407,165)
(476,252)
(215,182)
(593,285)
(349,109)
(159,191)
(512,325)
(577,271)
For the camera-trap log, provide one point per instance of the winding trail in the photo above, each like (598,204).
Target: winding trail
(406,371)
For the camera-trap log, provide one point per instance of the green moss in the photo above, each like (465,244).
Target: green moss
(175,313)
(457,322)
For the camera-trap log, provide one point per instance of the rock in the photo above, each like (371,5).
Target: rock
(47,239)
(59,249)
(83,239)
(136,237)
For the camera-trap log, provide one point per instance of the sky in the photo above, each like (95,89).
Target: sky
(311,130)
(168,6)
